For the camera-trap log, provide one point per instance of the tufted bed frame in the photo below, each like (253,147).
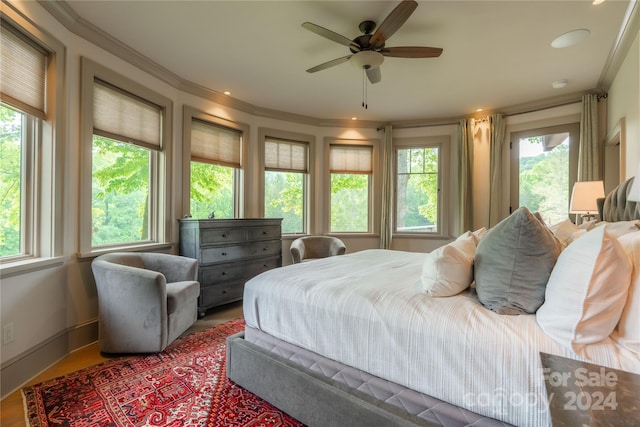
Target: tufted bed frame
(616,207)
(314,391)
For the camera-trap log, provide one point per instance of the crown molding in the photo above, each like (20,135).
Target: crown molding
(628,32)
(62,12)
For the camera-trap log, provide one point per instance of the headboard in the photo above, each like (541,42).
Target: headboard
(617,207)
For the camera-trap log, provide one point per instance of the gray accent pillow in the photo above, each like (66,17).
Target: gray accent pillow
(513,264)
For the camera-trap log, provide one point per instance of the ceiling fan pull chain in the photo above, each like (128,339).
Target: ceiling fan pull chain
(363,87)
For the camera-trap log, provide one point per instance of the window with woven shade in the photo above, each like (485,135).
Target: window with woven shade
(286,165)
(216,155)
(23,71)
(350,167)
(126,143)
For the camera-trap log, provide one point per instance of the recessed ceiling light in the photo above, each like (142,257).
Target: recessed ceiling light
(226,92)
(559,84)
(354,118)
(597,2)
(570,39)
(478,110)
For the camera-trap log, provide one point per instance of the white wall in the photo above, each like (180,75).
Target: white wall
(623,103)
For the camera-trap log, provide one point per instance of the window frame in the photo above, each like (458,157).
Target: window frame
(442,143)
(514,157)
(240,189)
(43,205)
(160,224)
(308,208)
(374,187)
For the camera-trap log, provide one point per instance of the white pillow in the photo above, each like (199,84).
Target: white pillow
(478,234)
(586,291)
(448,270)
(620,228)
(627,332)
(566,231)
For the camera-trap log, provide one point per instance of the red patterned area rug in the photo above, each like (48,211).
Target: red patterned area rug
(185,385)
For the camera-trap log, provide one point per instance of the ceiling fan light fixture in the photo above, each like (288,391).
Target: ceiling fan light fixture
(366,59)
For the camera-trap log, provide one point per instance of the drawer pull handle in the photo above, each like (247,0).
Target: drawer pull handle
(223,254)
(265,249)
(224,292)
(224,236)
(264,233)
(224,273)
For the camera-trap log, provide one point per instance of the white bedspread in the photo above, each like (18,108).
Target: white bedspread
(365,310)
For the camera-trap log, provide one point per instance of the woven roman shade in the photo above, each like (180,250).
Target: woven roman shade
(350,159)
(215,144)
(123,116)
(286,156)
(23,71)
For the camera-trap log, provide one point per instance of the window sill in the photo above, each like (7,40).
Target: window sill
(28,265)
(149,247)
(431,236)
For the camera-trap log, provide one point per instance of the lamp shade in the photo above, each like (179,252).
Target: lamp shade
(634,193)
(584,197)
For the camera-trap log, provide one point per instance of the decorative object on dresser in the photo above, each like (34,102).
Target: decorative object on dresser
(229,252)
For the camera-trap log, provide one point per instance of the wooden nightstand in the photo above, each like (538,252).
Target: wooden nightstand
(585,394)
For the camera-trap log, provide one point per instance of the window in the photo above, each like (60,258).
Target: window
(126,139)
(126,200)
(286,170)
(30,145)
(418,190)
(215,164)
(544,168)
(351,167)
(14,212)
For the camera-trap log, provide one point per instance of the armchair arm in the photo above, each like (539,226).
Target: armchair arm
(338,247)
(297,251)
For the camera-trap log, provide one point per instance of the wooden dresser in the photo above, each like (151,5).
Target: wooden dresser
(229,252)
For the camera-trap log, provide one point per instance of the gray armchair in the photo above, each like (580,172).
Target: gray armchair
(313,247)
(146,300)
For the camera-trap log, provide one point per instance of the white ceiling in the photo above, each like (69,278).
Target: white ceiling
(497,54)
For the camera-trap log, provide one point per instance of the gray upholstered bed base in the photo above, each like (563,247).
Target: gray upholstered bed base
(323,393)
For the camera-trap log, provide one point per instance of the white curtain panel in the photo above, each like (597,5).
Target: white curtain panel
(589,153)
(465,175)
(386,216)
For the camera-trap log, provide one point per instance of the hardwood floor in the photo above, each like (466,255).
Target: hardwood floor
(11,407)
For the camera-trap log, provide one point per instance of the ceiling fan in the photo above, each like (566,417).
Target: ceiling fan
(368,50)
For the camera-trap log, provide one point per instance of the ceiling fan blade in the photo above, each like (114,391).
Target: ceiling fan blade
(392,22)
(329,64)
(374,75)
(328,34)
(412,52)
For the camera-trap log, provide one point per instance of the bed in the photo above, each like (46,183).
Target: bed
(354,340)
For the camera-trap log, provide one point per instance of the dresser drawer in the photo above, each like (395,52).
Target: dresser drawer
(218,254)
(222,235)
(264,233)
(236,270)
(220,294)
